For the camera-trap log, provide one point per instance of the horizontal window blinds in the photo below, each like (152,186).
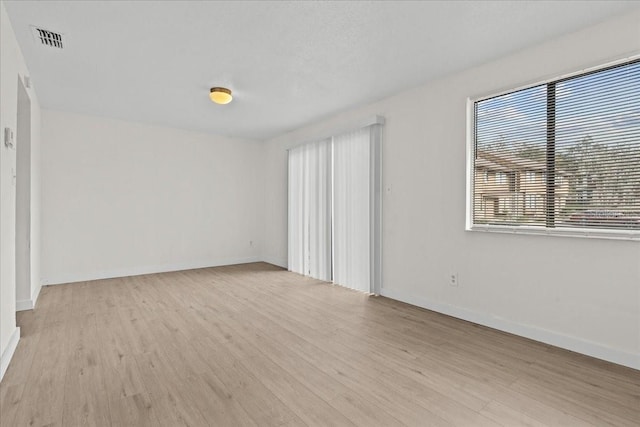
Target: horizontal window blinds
(565,154)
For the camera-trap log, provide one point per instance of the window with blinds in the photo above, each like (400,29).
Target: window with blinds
(564,155)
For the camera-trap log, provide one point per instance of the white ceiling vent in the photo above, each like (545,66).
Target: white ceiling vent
(47,38)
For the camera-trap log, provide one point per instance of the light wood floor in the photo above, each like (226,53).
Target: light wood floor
(256,345)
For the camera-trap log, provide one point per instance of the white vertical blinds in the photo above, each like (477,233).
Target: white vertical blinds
(561,155)
(310,209)
(351,210)
(335,209)
(297,212)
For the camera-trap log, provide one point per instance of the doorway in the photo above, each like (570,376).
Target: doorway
(23,200)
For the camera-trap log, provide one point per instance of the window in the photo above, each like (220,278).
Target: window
(530,201)
(503,206)
(531,177)
(576,142)
(533,202)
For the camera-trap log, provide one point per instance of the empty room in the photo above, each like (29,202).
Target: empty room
(319,213)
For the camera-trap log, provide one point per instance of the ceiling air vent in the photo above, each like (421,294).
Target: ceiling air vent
(48,38)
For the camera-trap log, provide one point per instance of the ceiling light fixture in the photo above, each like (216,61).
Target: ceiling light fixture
(220,95)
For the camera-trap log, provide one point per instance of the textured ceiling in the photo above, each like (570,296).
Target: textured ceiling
(288,63)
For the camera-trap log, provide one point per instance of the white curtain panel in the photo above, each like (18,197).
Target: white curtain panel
(352,210)
(296,212)
(310,209)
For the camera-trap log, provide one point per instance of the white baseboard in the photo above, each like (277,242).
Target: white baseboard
(276,261)
(7,354)
(578,345)
(29,304)
(35,295)
(24,304)
(137,271)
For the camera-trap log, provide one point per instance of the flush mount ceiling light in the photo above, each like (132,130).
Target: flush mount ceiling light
(220,95)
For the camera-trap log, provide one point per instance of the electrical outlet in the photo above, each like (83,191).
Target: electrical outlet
(453,279)
(8,138)
(250,242)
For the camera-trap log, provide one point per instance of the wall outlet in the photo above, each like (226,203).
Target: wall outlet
(8,138)
(453,279)
(250,242)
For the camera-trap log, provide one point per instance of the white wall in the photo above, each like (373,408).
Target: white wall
(12,67)
(581,294)
(122,198)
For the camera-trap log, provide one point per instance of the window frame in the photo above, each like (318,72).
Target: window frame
(584,232)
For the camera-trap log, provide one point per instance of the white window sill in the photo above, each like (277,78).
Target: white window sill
(592,233)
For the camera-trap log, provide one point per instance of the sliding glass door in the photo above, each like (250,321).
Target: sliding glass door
(335,207)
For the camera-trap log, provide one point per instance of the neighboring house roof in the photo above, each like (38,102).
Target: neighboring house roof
(482,163)
(509,163)
(501,162)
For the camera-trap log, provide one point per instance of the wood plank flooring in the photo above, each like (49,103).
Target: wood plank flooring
(254,345)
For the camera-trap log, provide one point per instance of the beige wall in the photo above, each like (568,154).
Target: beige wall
(123,198)
(578,293)
(12,67)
